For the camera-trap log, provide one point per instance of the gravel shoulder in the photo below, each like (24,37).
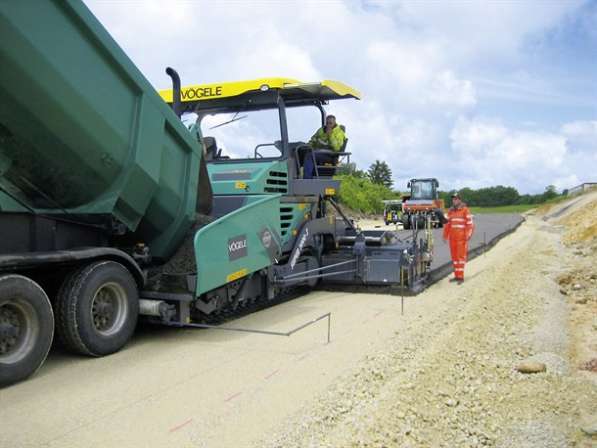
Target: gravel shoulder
(453,381)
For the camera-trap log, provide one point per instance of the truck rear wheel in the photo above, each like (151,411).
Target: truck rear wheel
(97,309)
(26,328)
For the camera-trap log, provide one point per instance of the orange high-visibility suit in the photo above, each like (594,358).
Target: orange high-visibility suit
(458,230)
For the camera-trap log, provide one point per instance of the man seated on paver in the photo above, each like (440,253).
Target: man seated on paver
(329,137)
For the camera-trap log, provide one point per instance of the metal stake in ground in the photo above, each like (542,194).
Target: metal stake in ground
(402,291)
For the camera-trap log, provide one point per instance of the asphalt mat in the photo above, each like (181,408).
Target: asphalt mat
(489,229)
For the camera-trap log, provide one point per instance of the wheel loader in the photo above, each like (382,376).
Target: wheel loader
(423,201)
(112,209)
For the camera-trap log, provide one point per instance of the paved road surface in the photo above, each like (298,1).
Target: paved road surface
(489,228)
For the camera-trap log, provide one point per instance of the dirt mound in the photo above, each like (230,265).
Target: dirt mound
(579,281)
(452,382)
(581,221)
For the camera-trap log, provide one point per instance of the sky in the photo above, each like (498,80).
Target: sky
(474,93)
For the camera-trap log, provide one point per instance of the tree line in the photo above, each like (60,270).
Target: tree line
(499,195)
(364,190)
(378,173)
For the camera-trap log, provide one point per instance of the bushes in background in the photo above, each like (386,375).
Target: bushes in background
(362,195)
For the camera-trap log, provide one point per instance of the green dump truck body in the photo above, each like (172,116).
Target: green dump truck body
(83,132)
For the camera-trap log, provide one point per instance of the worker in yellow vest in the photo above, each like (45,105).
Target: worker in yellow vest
(330,137)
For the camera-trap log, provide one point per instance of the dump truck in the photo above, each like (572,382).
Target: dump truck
(112,209)
(423,201)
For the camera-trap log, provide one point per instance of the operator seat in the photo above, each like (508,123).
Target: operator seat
(329,169)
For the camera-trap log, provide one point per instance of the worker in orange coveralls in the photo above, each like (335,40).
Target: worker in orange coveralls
(458,230)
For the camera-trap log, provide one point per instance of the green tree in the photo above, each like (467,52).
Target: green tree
(468,195)
(380,173)
(500,195)
(362,195)
(447,197)
(350,169)
(496,196)
(550,192)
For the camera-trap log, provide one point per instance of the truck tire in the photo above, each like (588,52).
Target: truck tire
(26,328)
(97,309)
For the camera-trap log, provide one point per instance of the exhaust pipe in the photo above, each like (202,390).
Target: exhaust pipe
(176,102)
(205,196)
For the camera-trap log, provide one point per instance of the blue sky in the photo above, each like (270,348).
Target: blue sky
(473,93)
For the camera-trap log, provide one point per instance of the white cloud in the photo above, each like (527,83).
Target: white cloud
(582,136)
(566,182)
(445,90)
(410,64)
(489,153)
(416,75)
(476,138)
(416,63)
(494,29)
(580,129)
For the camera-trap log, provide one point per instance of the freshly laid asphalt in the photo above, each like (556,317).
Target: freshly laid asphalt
(489,229)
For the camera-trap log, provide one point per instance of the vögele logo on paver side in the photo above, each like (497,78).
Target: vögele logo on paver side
(237,247)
